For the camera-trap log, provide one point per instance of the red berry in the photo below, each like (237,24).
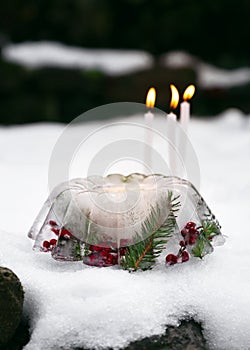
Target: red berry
(53,241)
(184,232)
(193,230)
(65,233)
(55,230)
(123,251)
(192,239)
(106,249)
(190,225)
(46,244)
(52,223)
(105,246)
(115,260)
(185,256)
(182,244)
(112,259)
(103,254)
(95,248)
(171,259)
(92,257)
(109,258)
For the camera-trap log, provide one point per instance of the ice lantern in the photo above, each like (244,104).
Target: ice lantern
(120,220)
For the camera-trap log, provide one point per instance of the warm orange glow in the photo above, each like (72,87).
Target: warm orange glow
(151,97)
(175,97)
(189,92)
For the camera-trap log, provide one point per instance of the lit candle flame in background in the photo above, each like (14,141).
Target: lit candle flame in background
(175,97)
(189,93)
(151,97)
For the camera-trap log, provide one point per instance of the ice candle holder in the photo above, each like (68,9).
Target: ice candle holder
(125,220)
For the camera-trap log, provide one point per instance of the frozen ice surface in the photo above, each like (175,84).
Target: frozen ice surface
(75,305)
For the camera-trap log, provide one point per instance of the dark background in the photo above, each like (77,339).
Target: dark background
(217,32)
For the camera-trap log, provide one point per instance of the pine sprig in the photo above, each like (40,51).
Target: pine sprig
(144,253)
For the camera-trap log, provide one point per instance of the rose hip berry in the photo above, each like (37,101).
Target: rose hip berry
(65,233)
(171,259)
(53,241)
(52,223)
(190,234)
(55,230)
(184,232)
(46,244)
(182,244)
(190,225)
(192,239)
(184,256)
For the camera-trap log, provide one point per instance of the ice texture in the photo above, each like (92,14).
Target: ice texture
(112,210)
(74,305)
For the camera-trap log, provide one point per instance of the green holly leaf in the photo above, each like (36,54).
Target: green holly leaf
(202,247)
(210,229)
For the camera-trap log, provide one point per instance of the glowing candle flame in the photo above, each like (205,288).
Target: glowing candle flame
(175,97)
(151,97)
(189,93)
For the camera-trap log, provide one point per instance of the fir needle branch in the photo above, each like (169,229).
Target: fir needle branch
(143,254)
(148,247)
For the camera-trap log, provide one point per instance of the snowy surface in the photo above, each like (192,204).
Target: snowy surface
(117,62)
(208,75)
(44,54)
(74,305)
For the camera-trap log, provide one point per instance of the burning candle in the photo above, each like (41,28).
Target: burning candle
(184,121)
(185,107)
(171,131)
(149,117)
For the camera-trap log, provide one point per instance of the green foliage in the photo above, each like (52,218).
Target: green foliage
(143,254)
(208,231)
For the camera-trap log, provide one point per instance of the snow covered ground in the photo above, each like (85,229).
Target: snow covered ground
(74,305)
(117,62)
(53,54)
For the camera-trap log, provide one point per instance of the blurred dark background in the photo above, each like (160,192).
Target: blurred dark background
(213,32)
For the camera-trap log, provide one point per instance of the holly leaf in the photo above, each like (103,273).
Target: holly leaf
(202,247)
(210,229)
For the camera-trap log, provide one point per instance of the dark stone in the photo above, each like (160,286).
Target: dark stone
(188,336)
(11,304)
(20,338)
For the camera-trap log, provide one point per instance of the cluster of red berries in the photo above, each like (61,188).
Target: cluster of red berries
(190,234)
(62,232)
(104,255)
(101,256)
(66,234)
(49,245)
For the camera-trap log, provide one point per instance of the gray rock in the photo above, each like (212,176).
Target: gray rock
(188,336)
(11,304)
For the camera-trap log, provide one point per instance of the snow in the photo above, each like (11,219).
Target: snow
(72,305)
(53,54)
(208,75)
(117,62)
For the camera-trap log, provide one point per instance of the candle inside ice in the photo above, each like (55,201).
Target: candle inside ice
(171,130)
(149,118)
